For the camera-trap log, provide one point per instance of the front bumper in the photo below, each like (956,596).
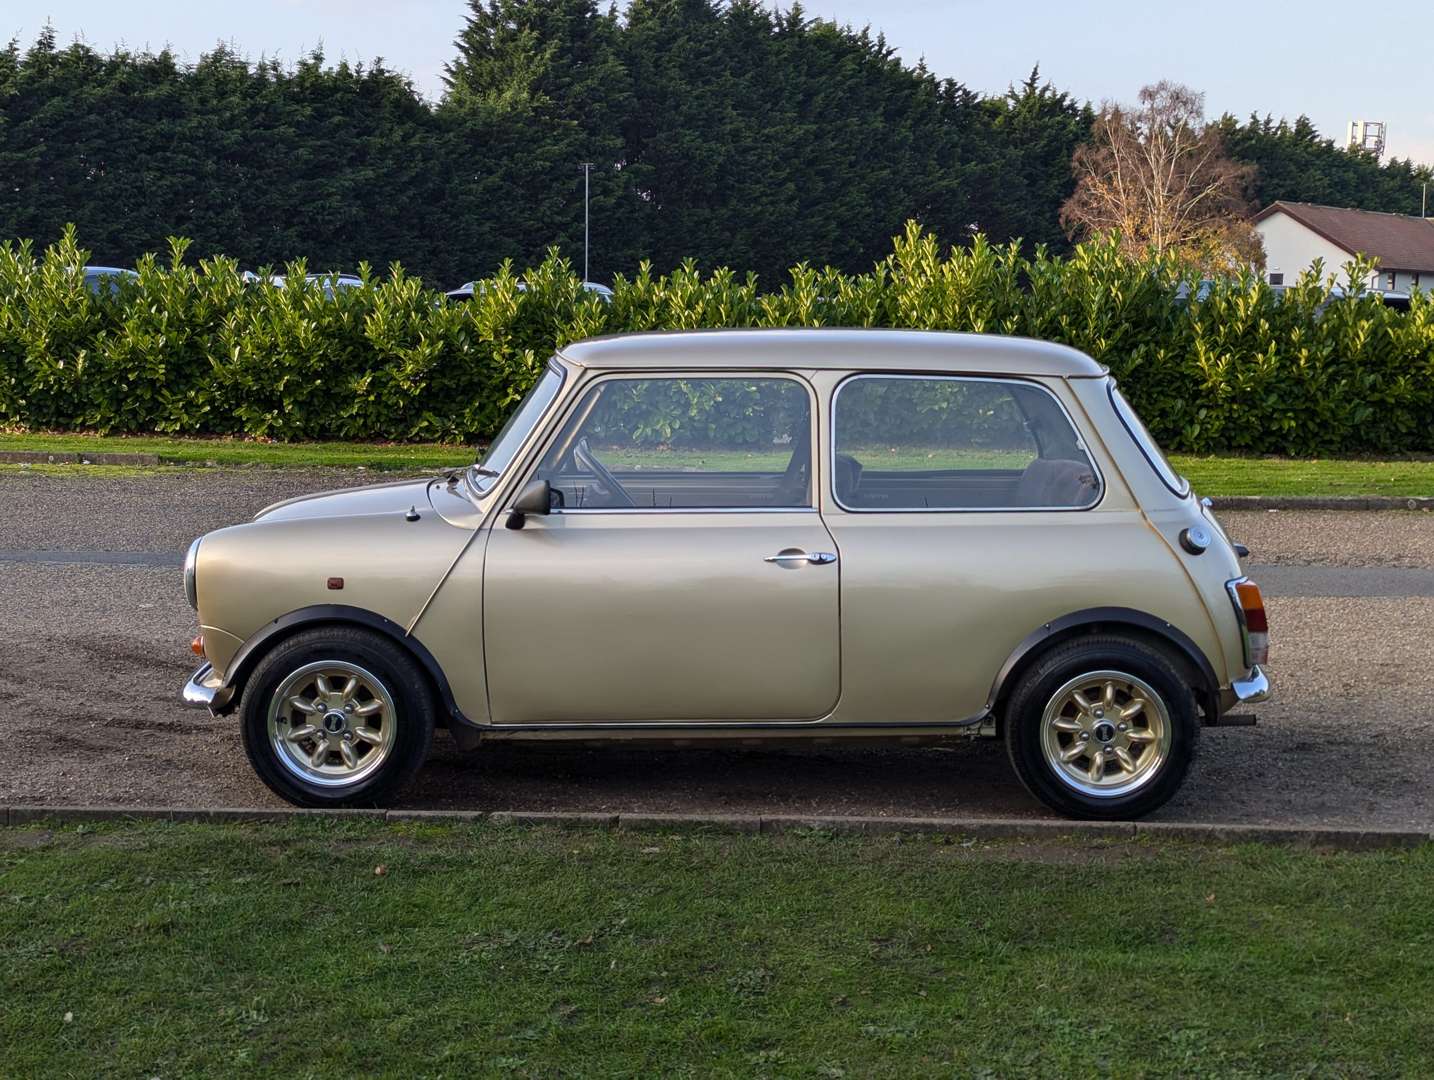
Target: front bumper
(1247,691)
(206,690)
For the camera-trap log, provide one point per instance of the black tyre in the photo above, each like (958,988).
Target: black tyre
(1102,727)
(337,716)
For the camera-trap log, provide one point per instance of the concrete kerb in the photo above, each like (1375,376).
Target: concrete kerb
(1036,829)
(222,814)
(508,818)
(716,823)
(26,815)
(466,817)
(1342,839)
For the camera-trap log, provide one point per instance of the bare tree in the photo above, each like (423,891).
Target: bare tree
(1159,176)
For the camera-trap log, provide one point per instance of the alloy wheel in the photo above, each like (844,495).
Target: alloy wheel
(332,723)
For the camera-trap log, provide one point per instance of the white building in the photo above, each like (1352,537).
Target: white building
(1296,234)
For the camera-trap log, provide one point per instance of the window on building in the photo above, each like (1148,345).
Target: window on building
(1389,281)
(1277,277)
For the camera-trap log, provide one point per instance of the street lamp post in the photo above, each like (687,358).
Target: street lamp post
(587,167)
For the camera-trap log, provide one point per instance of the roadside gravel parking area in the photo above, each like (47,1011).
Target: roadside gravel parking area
(92,656)
(1365,538)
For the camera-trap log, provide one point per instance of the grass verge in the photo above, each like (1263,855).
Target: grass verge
(160,949)
(1216,476)
(174,451)
(1221,476)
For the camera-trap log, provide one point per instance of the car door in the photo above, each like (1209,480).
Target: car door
(968,512)
(683,574)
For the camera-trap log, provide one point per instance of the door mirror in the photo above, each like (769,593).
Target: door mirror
(535,498)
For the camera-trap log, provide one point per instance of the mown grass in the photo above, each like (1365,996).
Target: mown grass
(277,950)
(1215,476)
(1219,476)
(179,451)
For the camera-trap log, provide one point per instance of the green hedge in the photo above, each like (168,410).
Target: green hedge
(193,349)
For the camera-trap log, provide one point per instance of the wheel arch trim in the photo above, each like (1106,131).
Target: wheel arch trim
(1090,620)
(286,625)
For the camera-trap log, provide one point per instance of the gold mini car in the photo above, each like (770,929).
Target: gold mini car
(751,534)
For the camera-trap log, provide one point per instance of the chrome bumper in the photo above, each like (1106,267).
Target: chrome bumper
(206,690)
(1249,691)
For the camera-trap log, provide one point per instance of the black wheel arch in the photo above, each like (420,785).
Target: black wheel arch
(1131,622)
(242,665)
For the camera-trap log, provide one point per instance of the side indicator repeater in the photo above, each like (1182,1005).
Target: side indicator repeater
(336,583)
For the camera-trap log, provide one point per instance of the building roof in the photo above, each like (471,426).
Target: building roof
(1397,241)
(840,349)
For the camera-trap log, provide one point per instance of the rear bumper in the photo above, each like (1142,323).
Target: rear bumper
(1247,691)
(206,690)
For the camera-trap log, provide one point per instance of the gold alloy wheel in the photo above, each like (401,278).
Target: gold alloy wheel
(1106,733)
(332,723)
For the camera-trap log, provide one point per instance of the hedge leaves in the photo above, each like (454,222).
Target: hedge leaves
(195,349)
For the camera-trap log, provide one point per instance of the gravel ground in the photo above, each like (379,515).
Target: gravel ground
(1384,538)
(92,659)
(161,510)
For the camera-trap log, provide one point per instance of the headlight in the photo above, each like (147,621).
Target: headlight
(191,558)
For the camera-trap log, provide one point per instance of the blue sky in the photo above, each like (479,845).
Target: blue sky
(1334,61)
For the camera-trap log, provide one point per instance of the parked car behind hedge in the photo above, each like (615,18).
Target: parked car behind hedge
(469,289)
(106,279)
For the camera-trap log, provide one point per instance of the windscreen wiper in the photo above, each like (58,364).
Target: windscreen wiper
(452,476)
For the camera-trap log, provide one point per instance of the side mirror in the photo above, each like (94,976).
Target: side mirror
(535,498)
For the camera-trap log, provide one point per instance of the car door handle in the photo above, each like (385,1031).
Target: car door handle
(821,558)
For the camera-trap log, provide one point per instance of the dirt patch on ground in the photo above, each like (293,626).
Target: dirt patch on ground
(25,839)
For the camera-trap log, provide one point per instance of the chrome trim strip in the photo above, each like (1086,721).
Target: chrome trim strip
(1253,689)
(685,510)
(191,563)
(934,377)
(740,725)
(1240,615)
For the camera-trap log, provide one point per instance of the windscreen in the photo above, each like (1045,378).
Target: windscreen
(500,453)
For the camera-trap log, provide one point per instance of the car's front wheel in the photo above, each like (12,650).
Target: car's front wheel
(337,716)
(1102,727)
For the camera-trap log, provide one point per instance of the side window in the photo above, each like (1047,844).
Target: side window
(685,444)
(915,443)
(1148,446)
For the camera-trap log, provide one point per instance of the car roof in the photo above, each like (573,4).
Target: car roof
(840,349)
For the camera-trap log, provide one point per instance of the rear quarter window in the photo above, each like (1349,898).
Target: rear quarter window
(1149,448)
(942,443)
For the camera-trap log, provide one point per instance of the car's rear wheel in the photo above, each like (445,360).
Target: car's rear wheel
(1102,727)
(337,716)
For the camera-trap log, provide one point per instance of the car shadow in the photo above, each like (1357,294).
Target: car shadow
(967,778)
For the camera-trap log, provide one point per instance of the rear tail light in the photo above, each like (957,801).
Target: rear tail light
(1254,626)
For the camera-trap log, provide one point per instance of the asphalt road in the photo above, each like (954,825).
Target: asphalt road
(93,650)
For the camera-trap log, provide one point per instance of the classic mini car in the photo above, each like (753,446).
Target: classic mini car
(743,535)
